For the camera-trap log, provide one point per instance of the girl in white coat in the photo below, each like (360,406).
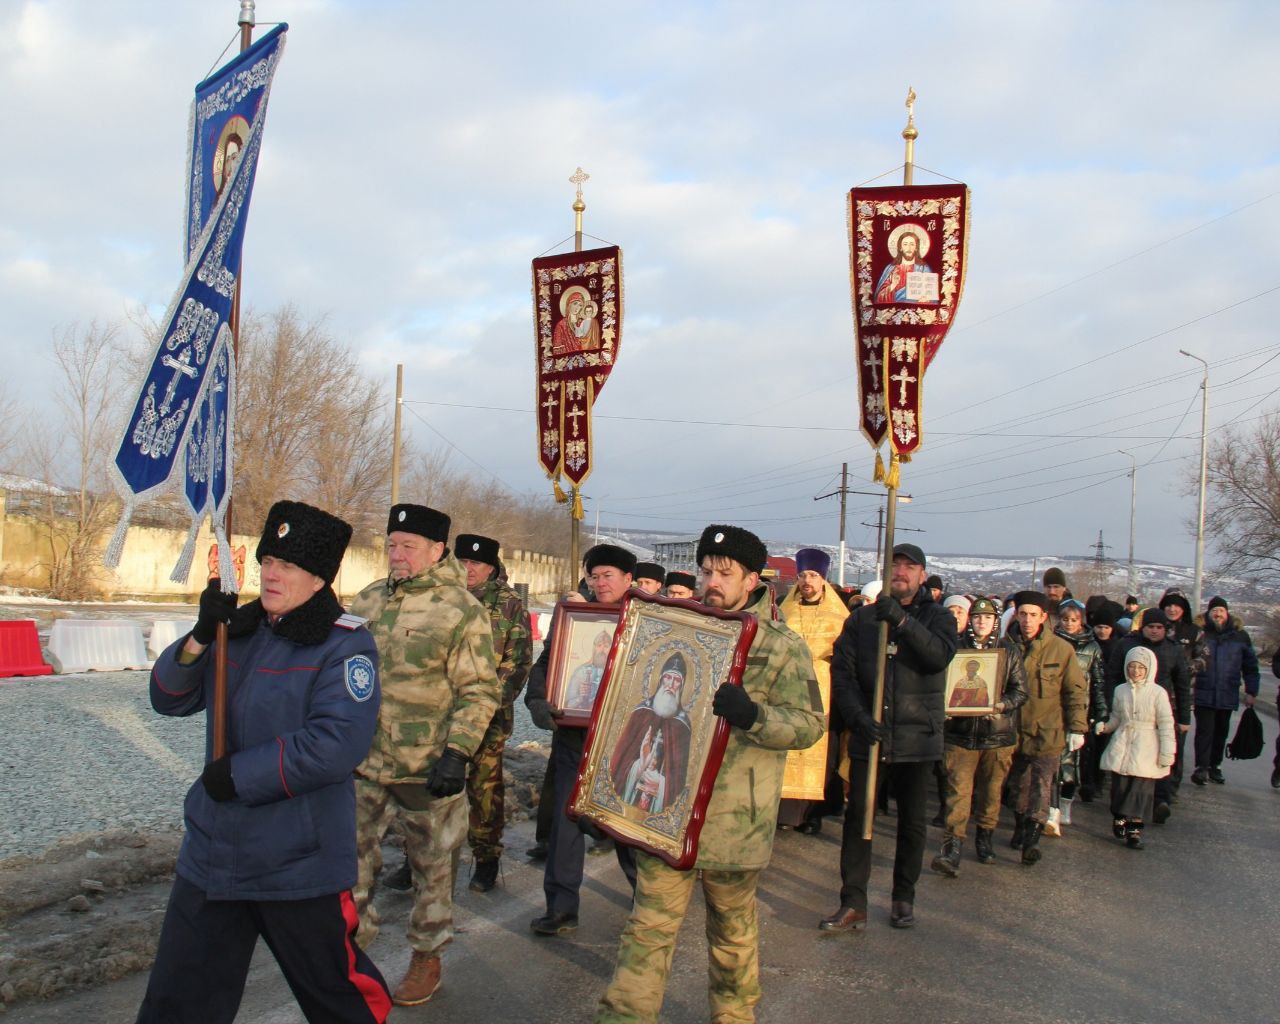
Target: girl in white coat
(1142,748)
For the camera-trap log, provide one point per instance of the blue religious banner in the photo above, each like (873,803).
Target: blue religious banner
(227,118)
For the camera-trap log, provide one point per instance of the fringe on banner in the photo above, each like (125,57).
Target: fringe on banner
(561,497)
(577,505)
(226,564)
(878,476)
(182,568)
(115,549)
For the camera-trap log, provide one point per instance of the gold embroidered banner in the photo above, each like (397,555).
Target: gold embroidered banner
(577,312)
(907,261)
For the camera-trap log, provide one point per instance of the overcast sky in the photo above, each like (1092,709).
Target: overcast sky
(1122,158)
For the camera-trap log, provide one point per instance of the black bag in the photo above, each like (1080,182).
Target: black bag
(1247,743)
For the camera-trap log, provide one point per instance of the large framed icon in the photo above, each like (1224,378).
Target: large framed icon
(654,746)
(581,637)
(975,680)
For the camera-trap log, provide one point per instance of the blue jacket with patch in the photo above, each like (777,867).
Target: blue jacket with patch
(302,705)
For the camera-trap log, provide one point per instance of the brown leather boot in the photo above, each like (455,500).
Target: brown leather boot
(421,981)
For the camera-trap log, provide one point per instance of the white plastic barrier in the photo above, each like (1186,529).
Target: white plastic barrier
(97,645)
(166,631)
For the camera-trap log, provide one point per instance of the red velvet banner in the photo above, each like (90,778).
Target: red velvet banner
(577,316)
(906,246)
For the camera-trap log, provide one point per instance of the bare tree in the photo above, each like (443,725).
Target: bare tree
(77,450)
(8,424)
(309,425)
(1242,508)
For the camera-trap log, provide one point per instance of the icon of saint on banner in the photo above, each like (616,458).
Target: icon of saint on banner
(908,278)
(579,328)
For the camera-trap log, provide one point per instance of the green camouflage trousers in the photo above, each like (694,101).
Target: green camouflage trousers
(485,791)
(431,838)
(649,941)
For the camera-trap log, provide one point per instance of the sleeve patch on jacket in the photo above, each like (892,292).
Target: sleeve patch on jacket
(360,677)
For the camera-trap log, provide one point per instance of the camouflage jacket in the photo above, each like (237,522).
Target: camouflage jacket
(512,637)
(743,812)
(439,687)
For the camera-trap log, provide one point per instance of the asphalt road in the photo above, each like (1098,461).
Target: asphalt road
(1183,931)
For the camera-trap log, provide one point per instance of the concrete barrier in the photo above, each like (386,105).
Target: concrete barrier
(166,631)
(20,649)
(97,645)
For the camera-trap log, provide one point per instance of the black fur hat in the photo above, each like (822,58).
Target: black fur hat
(308,537)
(612,555)
(743,546)
(650,571)
(1032,597)
(681,579)
(476,548)
(419,519)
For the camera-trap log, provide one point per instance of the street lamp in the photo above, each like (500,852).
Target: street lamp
(1133,511)
(1204,472)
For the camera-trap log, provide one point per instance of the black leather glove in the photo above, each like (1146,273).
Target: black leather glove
(733,705)
(449,775)
(888,610)
(215,607)
(217,781)
(870,730)
(540,712)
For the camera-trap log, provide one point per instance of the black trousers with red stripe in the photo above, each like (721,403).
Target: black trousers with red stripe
(206,945)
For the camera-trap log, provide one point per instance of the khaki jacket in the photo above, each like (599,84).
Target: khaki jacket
(439,684)
(742,814)
(1057,694)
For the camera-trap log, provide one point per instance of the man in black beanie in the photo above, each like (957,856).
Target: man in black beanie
(610,570)
(440,692)
(270,842)
(1055,588)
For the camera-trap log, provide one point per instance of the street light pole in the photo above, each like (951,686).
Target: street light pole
(1133,513)
(1204,472)
(844,492)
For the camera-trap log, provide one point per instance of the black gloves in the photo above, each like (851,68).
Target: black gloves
(215,607)
(217,781)
(449,774)
(888,610)
(870,730)
(733,705)
(540,712)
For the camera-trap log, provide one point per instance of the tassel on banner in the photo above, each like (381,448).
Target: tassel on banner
(561,497)
(115,549)
(892,477)
(182,568)
(878,476)
(577,505)
(226,564)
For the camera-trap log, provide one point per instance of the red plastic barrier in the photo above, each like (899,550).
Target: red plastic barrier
(20,649)
(533,627)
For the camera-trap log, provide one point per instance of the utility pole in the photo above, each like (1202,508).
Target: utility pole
(879,523)
(1133,519)
(1204,473)
(844,492)
(395,437)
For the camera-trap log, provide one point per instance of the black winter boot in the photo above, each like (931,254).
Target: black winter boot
(1019,830)
(484,876)
(1133,835)
(948,861)
(1031,841)
(982,846)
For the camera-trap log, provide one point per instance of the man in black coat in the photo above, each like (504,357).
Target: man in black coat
(1174,674)
(908,735)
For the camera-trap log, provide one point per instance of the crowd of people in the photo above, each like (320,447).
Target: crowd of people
(341,725)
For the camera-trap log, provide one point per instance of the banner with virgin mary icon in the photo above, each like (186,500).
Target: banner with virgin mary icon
(577,316)
(907,255)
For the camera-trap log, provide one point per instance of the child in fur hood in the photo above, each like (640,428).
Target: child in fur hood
(1142,747)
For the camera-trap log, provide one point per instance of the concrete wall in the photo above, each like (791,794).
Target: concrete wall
(150,553)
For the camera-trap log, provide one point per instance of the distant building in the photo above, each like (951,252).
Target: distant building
(677,554)
(780,568)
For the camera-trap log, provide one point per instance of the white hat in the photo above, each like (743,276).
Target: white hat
(872,590)
(957,600)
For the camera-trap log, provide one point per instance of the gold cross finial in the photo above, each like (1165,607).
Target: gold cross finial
(577,178)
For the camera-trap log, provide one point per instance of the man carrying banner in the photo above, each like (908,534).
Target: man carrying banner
(270,846)
(777,708)
(814,610)
(440,692)
(513,652)
(922,639)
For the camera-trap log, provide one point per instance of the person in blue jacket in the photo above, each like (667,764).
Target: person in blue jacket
(270,844)
(1229,659)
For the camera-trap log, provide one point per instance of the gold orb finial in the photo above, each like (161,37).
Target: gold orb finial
(910,132)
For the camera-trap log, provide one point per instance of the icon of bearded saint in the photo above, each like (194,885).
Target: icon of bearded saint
(651,760)
(579,330)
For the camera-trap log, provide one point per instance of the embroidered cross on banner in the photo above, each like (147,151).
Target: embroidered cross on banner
(873,361)
(902,379)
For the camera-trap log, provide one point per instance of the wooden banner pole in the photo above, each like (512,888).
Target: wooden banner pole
(909,134)
(575,499)
(246,22)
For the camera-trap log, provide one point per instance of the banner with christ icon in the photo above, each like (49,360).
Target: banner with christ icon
(157,450)
(577,304)
(907,261)
(655,745)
